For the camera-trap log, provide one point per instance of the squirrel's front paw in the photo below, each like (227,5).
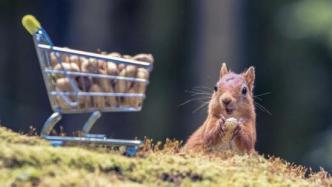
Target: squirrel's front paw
(221,123)
(237,131)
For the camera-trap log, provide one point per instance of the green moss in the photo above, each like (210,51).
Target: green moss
(23,163)
(8,136)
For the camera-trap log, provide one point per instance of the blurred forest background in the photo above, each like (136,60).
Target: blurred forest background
(288,41)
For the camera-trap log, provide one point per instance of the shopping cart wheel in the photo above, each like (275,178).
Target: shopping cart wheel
(56,143)
(131,151)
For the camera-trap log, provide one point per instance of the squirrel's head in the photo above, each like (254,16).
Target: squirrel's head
(233,94)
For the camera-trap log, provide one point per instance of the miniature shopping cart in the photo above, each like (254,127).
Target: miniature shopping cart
(84,82)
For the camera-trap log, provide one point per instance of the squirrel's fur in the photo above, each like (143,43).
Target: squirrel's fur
(232,98)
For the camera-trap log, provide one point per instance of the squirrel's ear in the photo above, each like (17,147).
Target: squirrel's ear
(223,70)
(249,75)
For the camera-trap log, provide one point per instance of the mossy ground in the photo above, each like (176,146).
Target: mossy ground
(30,161)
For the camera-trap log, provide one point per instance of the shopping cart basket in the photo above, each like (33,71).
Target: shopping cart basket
(85,82)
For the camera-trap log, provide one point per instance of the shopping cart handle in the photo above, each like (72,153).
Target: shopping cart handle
(31,24)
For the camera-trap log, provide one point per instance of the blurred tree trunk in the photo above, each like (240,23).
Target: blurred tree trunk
(218,40)
(89,24)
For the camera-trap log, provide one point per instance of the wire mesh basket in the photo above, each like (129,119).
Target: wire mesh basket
(85,82)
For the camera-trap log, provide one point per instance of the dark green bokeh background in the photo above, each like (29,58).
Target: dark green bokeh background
(289,43)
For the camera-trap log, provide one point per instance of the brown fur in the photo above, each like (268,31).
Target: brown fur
(229,87)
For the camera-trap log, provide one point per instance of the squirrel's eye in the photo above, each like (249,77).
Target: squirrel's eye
(244,90)
(215,88)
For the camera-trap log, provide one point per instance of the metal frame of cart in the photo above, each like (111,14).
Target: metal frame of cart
(44,47)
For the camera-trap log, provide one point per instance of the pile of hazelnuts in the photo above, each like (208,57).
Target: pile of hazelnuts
(90,84)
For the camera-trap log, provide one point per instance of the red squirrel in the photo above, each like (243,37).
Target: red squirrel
(232,98)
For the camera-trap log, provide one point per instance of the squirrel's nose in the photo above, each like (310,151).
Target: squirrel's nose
(226,101)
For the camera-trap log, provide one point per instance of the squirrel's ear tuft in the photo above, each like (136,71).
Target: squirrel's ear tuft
(249,75)
(223,70)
